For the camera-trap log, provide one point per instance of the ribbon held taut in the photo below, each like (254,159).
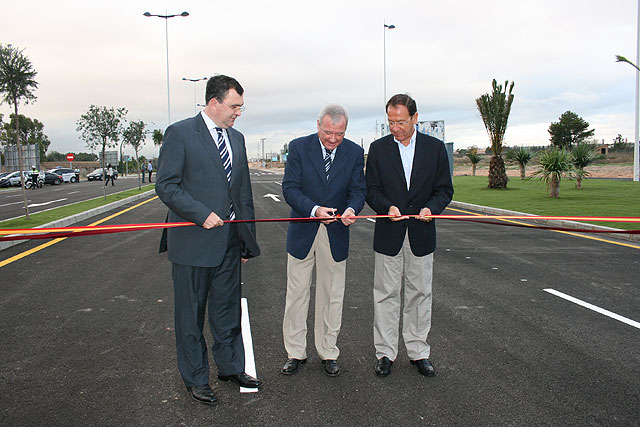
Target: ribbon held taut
(58,232)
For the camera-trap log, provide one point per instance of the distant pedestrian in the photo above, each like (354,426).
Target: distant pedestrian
(143,171)
(109,176)
(150,169)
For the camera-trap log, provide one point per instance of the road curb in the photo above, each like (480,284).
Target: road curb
(557,223)
(73,219)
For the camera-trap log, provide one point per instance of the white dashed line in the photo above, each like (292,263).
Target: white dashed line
(594,308)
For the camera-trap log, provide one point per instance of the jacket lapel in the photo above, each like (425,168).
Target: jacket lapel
(418,156)
(317,159)
(393,154)
(209,145)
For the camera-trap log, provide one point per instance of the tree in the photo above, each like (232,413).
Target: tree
(494,109)
(158,136)
(619,144)
(554,164)
(101,127)
(55,156)
(582,156)
(86,157)
(17,83)
(521,156)
(569,130)
(134,135)
(31,132)
(472,155)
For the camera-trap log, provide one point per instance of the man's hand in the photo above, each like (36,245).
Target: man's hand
(423,215)
(324,212)
(395,212)
(212,221)
(348,221)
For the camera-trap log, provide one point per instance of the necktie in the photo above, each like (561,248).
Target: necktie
(327,162)
(226,163)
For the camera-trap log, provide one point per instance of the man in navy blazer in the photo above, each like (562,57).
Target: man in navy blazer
(323,178)
(407,174)
(203,177)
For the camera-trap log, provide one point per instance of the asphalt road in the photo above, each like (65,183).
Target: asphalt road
(53,196)
(87,334)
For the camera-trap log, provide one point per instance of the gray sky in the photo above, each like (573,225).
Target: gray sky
(294,57)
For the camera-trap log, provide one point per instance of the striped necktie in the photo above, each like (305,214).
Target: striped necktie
(226,163)
(327,161)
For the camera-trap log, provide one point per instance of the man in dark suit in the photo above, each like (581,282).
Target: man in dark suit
(203,177)
(407,174)
(323,178)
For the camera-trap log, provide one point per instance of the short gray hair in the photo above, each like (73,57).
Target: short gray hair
(335,112)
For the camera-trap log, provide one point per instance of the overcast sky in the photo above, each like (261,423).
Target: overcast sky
(294,57)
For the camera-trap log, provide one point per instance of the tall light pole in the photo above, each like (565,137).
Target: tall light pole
(166,32)
(637,124)
(195,104)
(384,56)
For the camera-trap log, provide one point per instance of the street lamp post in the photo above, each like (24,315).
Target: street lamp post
(195,104)
(384,56)
(166,32)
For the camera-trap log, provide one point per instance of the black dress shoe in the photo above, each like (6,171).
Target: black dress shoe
(291,366)
(424,367)
(331,367)
(383,367)
(203,394)
(242,379)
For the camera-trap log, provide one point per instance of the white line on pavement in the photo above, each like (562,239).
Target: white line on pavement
(594,308)
(13,203)
(249,360)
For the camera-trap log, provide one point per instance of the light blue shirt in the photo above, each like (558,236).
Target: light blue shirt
(406,155)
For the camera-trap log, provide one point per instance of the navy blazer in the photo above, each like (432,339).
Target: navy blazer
(305,185)
(192,182)
(430,187)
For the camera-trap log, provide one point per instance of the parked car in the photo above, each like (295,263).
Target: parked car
(5,181)
(98,174)
(68,175)
(53,178)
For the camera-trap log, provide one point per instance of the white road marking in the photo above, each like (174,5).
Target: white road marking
(73,192)
(273,196)
(594,308)
(45,203)
(278,182)
(249,360)
(14,203)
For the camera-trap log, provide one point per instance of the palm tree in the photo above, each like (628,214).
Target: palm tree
(521,156)
(494,109)
(472,155)
(583,155)
(17,82)
(554,164)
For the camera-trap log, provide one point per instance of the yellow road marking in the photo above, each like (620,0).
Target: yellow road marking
(599,239)
(53,242)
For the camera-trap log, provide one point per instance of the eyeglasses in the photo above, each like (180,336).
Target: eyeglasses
(330,134)
(400,123)
(236,108)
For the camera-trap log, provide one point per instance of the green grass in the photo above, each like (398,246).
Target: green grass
(65,211)
(597,197)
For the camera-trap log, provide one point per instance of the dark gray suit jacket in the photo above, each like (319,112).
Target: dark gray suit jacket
(192,182)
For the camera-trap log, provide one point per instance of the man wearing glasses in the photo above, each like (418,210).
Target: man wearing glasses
(323,178)
(203,177)
(407,174)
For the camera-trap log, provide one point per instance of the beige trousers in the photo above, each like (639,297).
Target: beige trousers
(330,278)
(416,313)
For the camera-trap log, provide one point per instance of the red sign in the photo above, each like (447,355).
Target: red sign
(70,157)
